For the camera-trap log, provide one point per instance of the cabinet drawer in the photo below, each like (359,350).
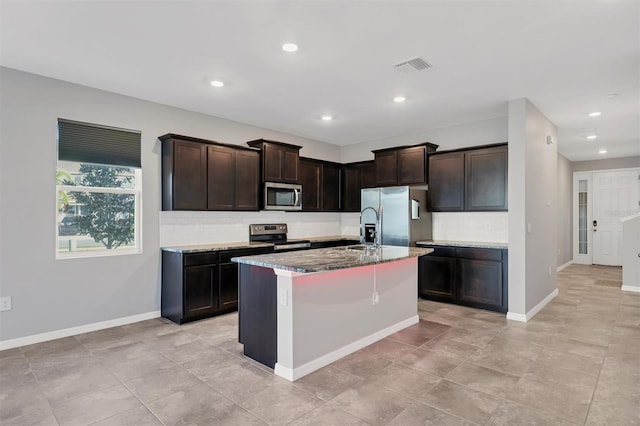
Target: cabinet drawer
(206,258)
(440,251)
(227,255)
(479,253)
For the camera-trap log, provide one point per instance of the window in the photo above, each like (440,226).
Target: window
(98,183)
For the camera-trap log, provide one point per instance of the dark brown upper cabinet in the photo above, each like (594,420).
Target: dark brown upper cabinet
(184,174)
(486,177)
(406,165)
(280,161)
(203,175)
(355,176)
(330,187)
(469,180)
(446,182)
(320,185)
(311,179)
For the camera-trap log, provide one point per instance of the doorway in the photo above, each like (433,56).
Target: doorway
(600,200)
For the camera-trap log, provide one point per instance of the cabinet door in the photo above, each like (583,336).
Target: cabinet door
(480,283)
(387,168)
(272,162)
(200,290)
(247,183)
(189,176)
(412,165)
(351,188)
(368,175)
(291,159)
(221,166)
(310,178)
(446,182)
(486,179)
(228,286)
(436,277)
(330,187)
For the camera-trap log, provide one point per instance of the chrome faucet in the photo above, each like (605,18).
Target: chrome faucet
(377,240)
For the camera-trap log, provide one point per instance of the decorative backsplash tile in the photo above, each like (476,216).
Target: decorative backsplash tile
(471,226)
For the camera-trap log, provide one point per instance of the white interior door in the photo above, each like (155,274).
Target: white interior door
(615,195)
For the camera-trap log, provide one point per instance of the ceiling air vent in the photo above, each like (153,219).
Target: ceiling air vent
(414,64)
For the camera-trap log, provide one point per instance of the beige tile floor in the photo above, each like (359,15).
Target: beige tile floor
(577,362)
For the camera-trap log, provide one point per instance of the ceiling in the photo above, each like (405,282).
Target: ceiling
(567,57)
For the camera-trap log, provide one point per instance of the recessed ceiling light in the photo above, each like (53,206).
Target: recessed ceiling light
(289,47)
(217,83)
(595,114)
(612,95)
(399,99)
(591,137)
(326,118)
(602,151)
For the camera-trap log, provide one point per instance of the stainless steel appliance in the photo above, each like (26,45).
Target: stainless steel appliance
(276,233)
(402,214)
(282,196)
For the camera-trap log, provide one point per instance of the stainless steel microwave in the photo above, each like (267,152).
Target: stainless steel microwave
(282,196)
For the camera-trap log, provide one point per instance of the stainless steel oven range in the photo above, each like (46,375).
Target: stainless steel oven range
(276,233)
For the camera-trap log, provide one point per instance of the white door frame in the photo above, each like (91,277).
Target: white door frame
(587,259)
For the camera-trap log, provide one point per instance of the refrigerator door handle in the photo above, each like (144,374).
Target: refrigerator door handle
(379,231)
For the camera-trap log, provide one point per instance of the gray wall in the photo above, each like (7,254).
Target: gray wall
(532,204)
(50,294)
(565,216)
(606,164)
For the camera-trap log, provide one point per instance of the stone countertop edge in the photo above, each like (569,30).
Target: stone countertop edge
(473,244)
(329,259)
(196,248)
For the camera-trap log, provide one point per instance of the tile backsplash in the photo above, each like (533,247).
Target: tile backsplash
(489,227)
(182,228)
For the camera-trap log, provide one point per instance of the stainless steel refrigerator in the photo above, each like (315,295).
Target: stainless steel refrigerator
(404,218)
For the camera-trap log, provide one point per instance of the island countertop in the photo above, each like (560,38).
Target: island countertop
(331,259)
(474,244)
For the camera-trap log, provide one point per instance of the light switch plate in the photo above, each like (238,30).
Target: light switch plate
(5,303)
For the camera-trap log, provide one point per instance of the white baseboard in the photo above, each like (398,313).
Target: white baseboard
(633,288)
(293,374)
(516,317)
(66,332)
(561,267)
(526,317)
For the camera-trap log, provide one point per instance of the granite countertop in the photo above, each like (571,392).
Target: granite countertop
(330,238)
(474,244)
(329,259)
(196,248)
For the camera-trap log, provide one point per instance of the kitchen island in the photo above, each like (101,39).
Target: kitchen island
(300,311)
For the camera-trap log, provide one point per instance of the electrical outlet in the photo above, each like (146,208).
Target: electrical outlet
(5,303)
(375,298)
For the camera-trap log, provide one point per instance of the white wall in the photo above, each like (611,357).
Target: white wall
(532,208)
(565,212)
(50,294)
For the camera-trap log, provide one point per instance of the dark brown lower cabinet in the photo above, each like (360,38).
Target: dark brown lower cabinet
(201,285)
(474,277)
(437,278)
